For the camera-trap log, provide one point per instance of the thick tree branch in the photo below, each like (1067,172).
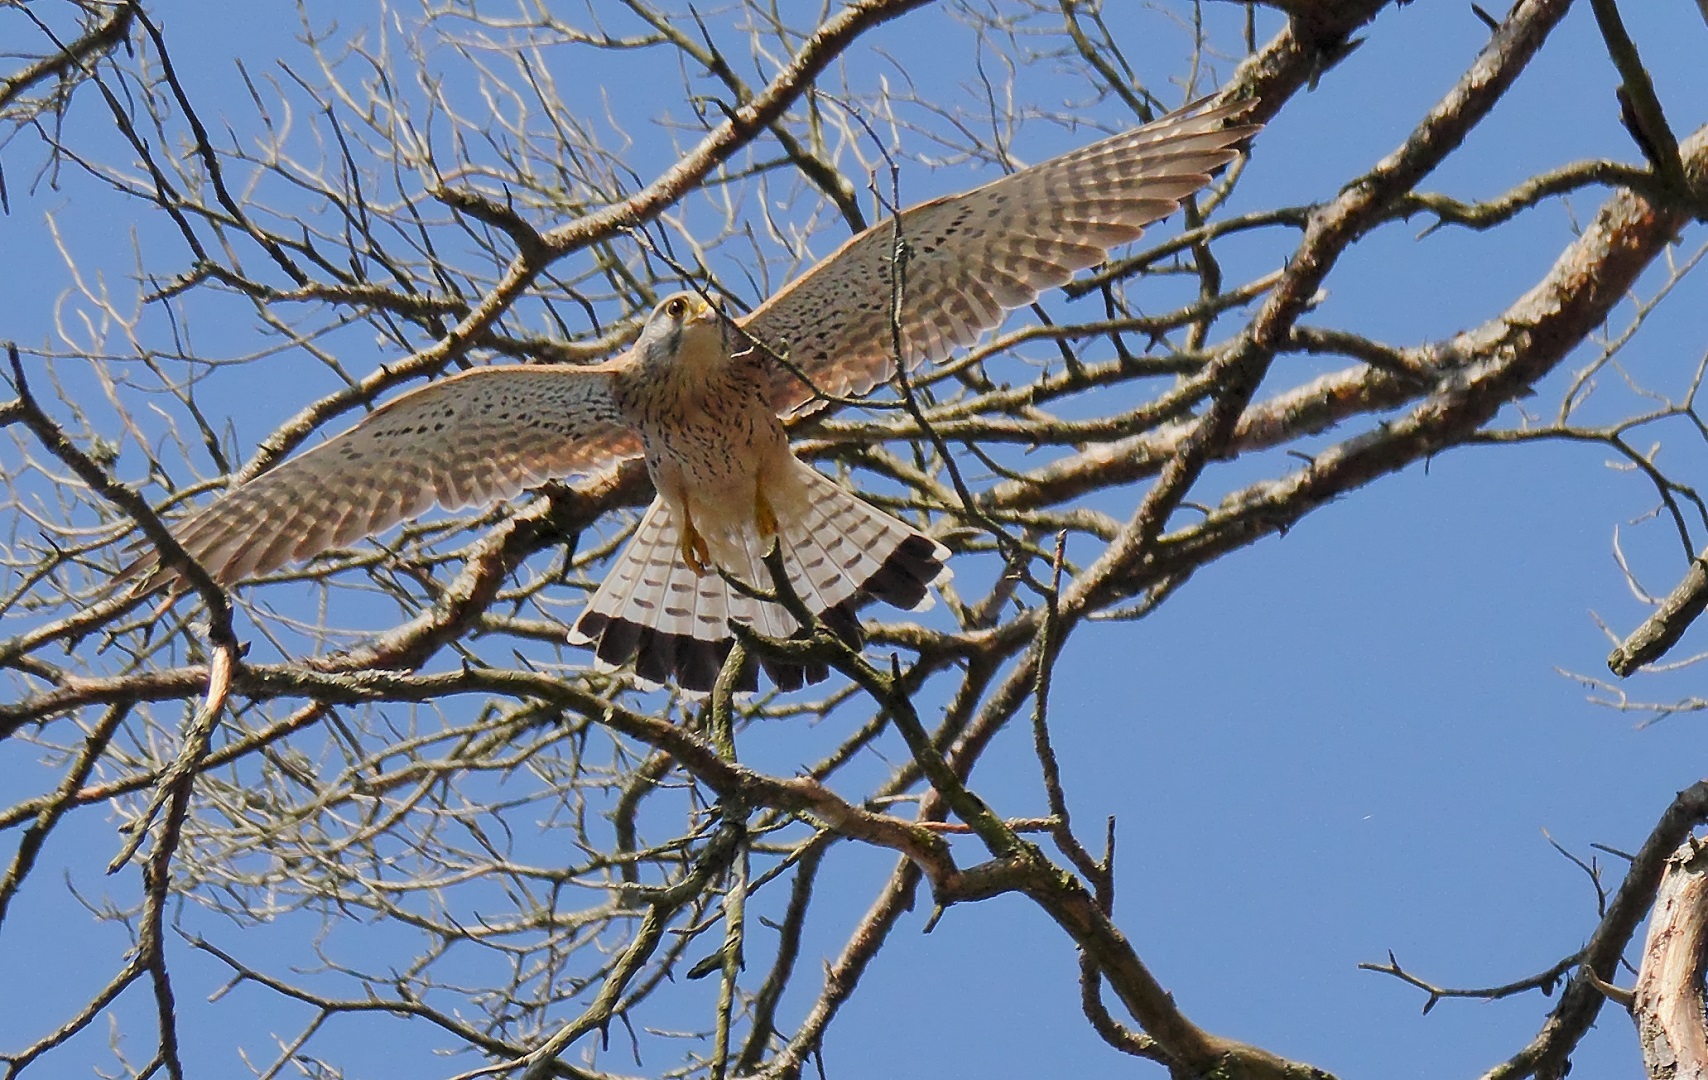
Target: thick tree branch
(1668,1008)
(1662,630)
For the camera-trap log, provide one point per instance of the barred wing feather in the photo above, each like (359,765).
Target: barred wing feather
(972,257)
(471,439)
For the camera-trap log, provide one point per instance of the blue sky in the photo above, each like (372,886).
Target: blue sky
(1343,741)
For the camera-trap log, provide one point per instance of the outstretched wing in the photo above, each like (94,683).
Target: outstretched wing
(974,256)
(475,438)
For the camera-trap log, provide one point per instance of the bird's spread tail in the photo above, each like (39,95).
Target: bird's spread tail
(839,552)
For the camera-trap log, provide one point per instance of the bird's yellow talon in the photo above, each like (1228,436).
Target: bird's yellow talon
(766,517)
(694,551)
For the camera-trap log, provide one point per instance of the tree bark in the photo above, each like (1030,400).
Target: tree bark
(1668,1006)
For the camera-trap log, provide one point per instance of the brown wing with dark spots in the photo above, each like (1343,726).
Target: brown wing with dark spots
(475,438)
(975,256)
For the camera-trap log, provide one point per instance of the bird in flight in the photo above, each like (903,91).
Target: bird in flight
(704,398)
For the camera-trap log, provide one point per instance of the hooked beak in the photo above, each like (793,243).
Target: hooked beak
(700,311)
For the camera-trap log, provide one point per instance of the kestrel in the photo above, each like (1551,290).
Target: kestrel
(704,398)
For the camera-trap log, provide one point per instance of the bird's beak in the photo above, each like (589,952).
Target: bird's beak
(701,312)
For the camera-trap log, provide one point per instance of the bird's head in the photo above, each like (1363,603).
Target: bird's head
(684,334)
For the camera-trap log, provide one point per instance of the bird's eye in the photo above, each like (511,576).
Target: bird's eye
(676,307)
